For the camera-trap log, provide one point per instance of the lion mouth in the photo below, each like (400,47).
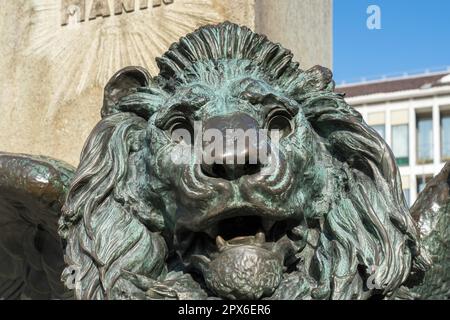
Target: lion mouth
(238,230)
(255,245)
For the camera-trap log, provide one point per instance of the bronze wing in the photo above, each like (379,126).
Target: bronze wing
(432,212)
(32,192)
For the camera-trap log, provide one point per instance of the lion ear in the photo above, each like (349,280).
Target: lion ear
(313,80)
(122,84)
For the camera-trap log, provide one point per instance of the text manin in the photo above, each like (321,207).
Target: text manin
(78,9)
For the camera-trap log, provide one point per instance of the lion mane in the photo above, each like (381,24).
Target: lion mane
(113,223)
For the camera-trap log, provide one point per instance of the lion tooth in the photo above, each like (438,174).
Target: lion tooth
(220,242)
(260,237)
(200,259)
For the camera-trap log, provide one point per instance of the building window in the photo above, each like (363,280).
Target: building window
(400,144)
(407,194)
(381,129)
(422,182)
(424,139)
(445,137)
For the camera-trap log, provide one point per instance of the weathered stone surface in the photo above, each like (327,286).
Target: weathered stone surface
(305,27)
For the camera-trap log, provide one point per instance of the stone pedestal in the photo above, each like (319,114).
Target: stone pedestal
(303,26)
(57,55)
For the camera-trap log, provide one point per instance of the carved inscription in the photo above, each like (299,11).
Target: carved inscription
(78,9)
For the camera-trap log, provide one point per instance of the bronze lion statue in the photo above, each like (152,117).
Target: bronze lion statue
(327,221)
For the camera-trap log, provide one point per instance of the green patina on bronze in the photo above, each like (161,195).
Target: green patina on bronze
(330,222)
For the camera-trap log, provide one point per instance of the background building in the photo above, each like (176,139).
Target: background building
(412,113)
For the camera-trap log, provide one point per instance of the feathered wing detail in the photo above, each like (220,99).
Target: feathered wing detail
(432,211)
(32,192)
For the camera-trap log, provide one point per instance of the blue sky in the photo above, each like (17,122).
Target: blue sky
(415,35)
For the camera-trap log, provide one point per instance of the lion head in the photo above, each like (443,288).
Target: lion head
(328,221)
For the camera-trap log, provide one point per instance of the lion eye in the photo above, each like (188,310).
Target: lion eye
(180,130)
(280,120)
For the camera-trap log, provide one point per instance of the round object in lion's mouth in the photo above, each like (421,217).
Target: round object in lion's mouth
(244,272)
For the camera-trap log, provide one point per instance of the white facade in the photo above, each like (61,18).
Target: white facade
(427,108)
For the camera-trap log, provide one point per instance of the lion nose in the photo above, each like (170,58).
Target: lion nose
(230,172)
(230,147)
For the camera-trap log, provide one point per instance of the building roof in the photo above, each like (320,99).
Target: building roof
(395,85)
